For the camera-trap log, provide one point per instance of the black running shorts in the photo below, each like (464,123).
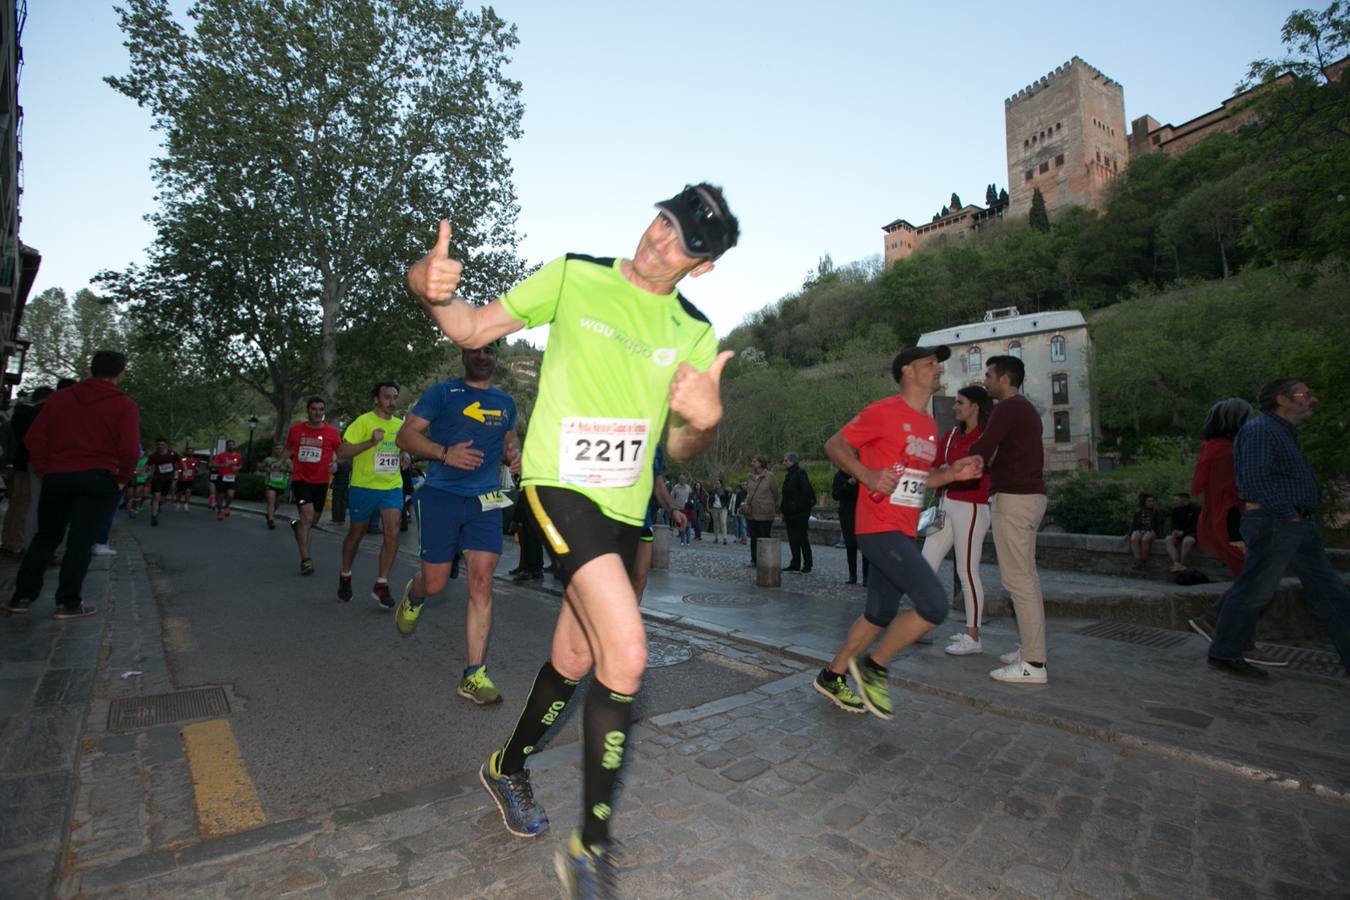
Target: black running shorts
(575,530)
(307,493)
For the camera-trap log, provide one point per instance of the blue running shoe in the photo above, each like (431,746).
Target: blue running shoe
(586,873)
(514,797)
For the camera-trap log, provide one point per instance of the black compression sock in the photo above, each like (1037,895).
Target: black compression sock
(874,665)
(548,698)
(604,736)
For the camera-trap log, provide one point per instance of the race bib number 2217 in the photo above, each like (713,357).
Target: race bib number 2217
(601,452)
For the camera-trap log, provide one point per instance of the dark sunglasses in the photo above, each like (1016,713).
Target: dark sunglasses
(708,219)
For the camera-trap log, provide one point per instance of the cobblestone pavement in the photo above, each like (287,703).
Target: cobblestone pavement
(777,794)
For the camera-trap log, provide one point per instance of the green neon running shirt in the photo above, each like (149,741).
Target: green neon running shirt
(604,388)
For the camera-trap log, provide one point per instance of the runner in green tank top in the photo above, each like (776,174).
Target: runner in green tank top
(626,353)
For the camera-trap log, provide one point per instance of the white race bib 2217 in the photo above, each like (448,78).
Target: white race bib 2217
(601,452)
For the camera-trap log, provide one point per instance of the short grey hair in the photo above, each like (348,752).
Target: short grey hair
(791,457)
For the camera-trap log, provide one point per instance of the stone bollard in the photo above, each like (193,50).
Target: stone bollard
(769,562)
(661,546)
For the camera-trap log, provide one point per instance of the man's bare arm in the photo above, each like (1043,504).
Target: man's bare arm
(434,278)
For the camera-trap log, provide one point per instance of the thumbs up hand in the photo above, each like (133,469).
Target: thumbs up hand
(695,396)
(435,277)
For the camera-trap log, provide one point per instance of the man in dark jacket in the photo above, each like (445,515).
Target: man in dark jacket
(845,492)
(84,445)
(798,499)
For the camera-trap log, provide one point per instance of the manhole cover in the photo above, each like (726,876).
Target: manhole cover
(131,713)
(666,653)
(725,601)
(1136,634)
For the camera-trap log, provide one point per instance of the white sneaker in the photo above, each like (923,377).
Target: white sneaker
(104,550)
(963,645)
(1020,673)
(1012,657)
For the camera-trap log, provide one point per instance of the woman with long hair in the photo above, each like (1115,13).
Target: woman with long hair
(965,505)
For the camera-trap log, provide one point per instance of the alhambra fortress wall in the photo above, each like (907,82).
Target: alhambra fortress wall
(1066,135)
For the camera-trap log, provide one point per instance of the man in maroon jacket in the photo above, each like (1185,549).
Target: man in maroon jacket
(84,445)
(1014,457)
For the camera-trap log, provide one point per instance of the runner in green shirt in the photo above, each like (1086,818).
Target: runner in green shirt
(625,351)
(276,479)
(377,486)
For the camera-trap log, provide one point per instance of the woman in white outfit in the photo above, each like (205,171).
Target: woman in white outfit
(966,504)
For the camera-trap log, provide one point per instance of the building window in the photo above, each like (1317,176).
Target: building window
(1062,435)
(1026,144)
(1030,173)
(976,361)
(1057,348)
(1059,160)
(1045,167)
(1059,389)
(1059,125)
(1015,349)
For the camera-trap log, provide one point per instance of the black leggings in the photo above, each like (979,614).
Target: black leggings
(898,568)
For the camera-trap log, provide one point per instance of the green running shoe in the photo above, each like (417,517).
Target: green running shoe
(837,689)
(585,872)
(875,694)
(405,618)
(479,688)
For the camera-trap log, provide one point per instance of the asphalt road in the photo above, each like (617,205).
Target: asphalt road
(330,704)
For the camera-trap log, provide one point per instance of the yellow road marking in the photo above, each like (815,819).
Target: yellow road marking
(226,799)
(178,635)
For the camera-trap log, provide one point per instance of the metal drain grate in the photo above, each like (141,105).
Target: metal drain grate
(666,653)
(725,601)
(131,713)
(1315,662)
(1161,638)
(1300,659)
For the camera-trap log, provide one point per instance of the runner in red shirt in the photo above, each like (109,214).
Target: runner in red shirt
(187,476)
(889,448)
(310,445)
(226,466)
(163,464)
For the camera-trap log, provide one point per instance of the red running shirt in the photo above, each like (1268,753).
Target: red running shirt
(891,434)
(311,451)
(188,467)
(227,464)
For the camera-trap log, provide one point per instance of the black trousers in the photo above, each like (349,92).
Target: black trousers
(78,502)
(758,528)
(851,550)
(799,540)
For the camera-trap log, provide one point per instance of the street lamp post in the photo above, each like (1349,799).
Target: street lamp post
(252,427)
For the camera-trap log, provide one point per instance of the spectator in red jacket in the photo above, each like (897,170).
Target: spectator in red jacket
(84,445)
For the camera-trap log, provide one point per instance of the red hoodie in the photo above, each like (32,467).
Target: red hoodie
(90,425)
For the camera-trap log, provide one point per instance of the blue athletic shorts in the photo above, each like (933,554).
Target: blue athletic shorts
(451,524)
(362,503)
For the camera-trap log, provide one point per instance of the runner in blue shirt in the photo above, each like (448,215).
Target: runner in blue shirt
(466,427)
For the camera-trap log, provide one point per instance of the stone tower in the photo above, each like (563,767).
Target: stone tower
(1066,136)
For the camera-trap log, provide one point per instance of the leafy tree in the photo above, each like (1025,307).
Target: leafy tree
(990,196)
(308,147)
(66,333)
(1039,218)
(1003,196)
(956,203)
(1313,42)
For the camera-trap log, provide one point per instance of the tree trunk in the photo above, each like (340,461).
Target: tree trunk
(333,291)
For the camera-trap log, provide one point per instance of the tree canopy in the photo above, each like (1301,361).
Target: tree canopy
(309,148)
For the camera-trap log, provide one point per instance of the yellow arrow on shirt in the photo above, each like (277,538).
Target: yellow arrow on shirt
(474,411)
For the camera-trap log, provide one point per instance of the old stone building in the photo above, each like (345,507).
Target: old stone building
(1066,136)
(1056,349)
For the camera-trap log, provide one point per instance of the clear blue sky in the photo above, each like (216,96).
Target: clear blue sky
(823,123)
